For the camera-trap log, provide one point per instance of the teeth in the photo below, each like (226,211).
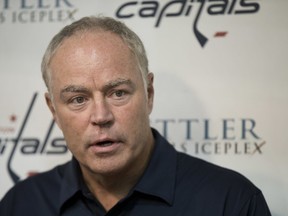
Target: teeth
(107,143)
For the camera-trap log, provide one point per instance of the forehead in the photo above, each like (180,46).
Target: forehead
(93,45)
(92,54)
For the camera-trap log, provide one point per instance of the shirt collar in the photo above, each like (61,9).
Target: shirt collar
(160,175)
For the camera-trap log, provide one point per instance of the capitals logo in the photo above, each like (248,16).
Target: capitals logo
(16,142)
(160,10)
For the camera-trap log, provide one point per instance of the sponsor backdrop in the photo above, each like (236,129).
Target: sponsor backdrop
(220,77)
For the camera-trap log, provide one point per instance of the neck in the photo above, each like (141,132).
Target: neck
(110,189)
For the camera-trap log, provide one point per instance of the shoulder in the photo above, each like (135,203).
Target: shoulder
(189,165)
(33,190)
(42,181)
(212,179)
(227,191)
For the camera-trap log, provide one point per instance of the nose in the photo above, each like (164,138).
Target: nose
(101,114)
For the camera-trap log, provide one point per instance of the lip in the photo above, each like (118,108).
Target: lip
(104,146)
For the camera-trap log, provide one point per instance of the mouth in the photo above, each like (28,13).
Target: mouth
(105,146)
(105,143)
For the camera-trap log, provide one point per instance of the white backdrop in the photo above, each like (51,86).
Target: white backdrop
(225,100)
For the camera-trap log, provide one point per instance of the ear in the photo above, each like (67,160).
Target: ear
(150,91)
(51,107)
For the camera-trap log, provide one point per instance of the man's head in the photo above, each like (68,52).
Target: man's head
(96,71)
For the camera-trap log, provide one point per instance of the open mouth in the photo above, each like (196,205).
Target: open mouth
(105,146)
(104,143)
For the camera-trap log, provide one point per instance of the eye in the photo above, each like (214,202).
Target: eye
(78,100)
(119,93)
(119,96)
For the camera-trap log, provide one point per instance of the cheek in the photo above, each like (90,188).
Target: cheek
(72,124)
(135,114)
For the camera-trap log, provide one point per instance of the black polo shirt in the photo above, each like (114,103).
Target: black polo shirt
(174,184)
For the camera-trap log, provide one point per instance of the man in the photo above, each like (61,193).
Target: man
(100,93)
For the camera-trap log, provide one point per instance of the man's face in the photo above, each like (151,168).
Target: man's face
(100,103)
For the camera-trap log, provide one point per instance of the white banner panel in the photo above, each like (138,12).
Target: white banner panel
(221,83)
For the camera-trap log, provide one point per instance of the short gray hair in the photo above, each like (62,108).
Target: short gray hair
(100,23)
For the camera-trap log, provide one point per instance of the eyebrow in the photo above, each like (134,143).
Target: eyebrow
(106,87)
(73,89)
(118,82)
